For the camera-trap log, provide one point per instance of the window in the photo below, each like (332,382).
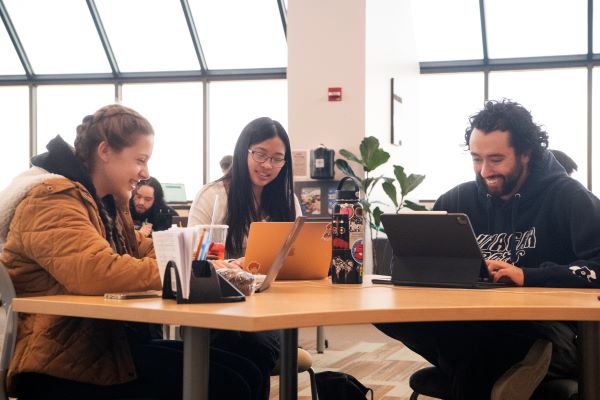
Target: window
(240,33)
(148,35)
(58,36)
(447,30)
(175,112)
(62,108)
(14,132)
(446,101)
(536,28)
(596,136)
(234,105)
(10,64)
(560,108)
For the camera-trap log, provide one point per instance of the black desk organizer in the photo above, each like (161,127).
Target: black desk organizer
(206,285)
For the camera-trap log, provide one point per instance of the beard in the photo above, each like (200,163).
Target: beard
(509,182)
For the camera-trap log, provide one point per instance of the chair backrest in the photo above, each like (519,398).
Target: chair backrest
(9,329)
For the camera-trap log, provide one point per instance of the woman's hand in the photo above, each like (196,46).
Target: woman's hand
(231,264)
(146,229)
(501,271)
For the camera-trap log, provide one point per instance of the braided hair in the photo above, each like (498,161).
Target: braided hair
(118,126)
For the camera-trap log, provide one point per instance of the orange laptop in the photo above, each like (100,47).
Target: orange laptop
(308,258)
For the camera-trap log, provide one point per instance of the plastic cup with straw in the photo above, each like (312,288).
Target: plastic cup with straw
(216,235)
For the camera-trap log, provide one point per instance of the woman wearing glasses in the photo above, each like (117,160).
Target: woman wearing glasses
(258,186)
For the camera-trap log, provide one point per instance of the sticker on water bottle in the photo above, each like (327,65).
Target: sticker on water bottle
(357,251)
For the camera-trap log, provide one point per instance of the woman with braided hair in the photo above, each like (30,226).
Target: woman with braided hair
(65,228)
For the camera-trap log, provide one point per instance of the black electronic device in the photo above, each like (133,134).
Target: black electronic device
(435,249)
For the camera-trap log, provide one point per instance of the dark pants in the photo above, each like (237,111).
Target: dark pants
(240,363)
(474,354)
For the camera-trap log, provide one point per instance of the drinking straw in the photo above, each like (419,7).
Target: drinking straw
(197,251)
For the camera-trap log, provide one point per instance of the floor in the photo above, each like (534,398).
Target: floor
(377,361)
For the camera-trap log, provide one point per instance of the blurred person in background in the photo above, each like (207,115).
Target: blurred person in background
(148,208)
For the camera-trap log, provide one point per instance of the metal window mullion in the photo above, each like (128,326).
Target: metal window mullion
(486,85)
(119,93)
(189,19)
(283,15)
(590,143)
(483,31)
(16,41)
(205,132)
(110,55)
(590,31)
(33,134)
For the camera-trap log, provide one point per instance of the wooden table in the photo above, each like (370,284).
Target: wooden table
(291,305)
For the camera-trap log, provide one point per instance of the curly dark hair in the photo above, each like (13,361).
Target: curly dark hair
(159,194)
(505,115)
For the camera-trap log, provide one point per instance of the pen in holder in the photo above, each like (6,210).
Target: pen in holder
(206,285)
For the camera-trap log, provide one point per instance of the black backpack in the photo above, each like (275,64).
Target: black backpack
(340,386)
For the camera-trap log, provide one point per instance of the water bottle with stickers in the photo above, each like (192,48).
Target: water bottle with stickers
(348,234)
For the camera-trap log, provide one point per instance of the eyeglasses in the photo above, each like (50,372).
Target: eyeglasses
(261,157)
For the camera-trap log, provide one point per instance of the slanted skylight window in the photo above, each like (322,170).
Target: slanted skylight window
(59,36)
(447,30)
(518,28)
(148,35)
(240,33)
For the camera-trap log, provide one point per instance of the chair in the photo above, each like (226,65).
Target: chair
(430,381)
(8,327)
(304,365)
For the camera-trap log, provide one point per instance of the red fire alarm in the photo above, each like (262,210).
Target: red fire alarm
(334,94)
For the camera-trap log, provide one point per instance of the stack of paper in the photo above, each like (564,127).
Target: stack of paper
(176,244)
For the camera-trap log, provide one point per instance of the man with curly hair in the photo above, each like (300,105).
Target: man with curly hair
(536,226)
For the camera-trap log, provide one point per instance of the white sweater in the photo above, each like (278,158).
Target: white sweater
(203,204)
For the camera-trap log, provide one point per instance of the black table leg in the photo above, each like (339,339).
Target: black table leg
(589,360)
(288,379)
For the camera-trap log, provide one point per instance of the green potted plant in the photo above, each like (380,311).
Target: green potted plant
(372,156)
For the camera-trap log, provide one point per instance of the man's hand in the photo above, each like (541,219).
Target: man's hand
(146,229)
(501,270)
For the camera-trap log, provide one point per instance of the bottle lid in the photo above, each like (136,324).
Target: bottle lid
(352,194)
(345,195)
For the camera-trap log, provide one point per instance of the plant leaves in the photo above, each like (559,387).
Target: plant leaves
(368,182)
(414,206)
(372,155)
(366,206)
(350,156)
(402,179)
(346,169)
(390,190)
(377,217)
(412,182)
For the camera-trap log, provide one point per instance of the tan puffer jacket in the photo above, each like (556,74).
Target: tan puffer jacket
(56,245)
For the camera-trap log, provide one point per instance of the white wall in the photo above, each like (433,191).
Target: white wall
(391,52)
(357,45)
(326,48)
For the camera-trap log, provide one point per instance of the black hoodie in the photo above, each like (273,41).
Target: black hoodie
(550,228)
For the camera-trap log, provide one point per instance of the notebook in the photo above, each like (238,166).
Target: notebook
(282,253)
(435,249)
(308,258)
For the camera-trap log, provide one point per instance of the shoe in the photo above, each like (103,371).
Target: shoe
(520,381)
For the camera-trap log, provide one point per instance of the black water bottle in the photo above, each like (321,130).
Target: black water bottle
(348,235)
